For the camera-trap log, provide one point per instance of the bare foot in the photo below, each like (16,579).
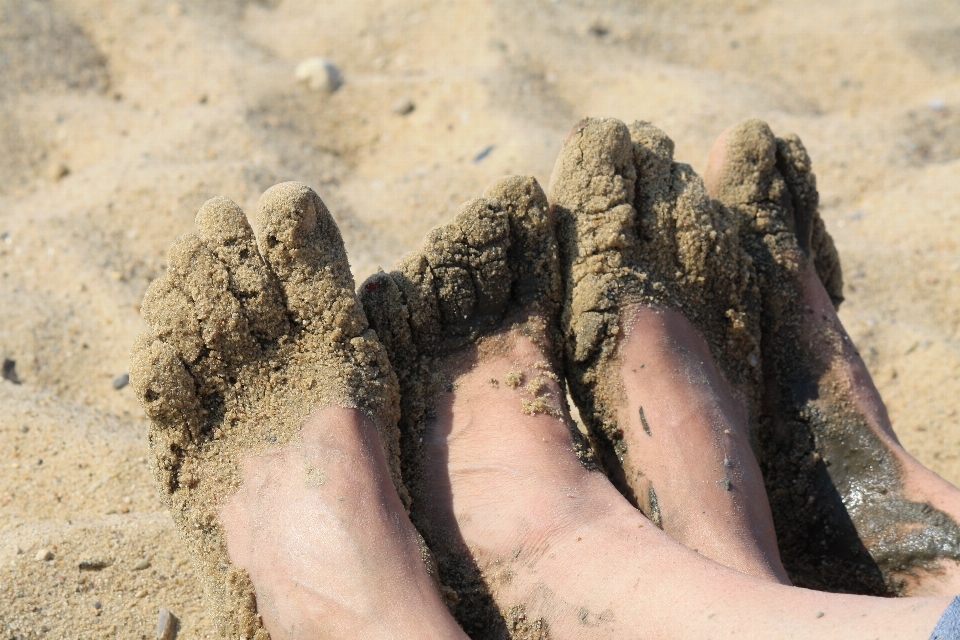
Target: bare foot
(531,541)
(854,511)
(644,250)
(273,436)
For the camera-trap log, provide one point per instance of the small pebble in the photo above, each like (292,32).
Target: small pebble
(483,154)
(166,625)
(819,614)
(142,564)
(320,74)
(43,555)
(10,371)
(121,381)
(58,171)
(94,564)
(403,107)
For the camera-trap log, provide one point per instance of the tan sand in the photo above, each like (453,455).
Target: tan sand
(118,120)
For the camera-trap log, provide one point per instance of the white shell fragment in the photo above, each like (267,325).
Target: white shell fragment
(320,74)
(166,625)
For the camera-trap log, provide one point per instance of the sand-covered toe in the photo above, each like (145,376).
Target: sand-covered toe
(772,180)
(492,269)
(248,336)
(835,487)
(636,228)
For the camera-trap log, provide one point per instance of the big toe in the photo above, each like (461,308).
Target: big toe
(301,244)
(742,164)
(594,172)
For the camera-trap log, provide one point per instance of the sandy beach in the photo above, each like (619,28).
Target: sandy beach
(119,119)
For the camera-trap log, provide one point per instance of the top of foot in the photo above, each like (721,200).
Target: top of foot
(248,336)
(637,228)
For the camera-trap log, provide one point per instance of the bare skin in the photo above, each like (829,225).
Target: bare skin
(324,537)
(691,420)
(563,541)
(842,368)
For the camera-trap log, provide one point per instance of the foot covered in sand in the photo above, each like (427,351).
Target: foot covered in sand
(853,510)
(469,323)
(273,438)
(531,542)
(661,352)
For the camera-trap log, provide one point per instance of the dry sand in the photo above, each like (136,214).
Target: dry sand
(118,119)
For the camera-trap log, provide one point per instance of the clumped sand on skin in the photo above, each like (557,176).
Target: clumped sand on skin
(843,522)
(492,271)
(249,335)
(637,228)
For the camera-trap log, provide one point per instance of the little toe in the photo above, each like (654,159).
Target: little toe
(223,227)
(165,388)
(301,244)
(797,170)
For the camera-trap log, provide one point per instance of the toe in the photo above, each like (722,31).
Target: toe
(743,165)
(172,317)
(301,244)
(770,179)
(533,253)
(201,275)
(223,227)
(592,190)
(595,171)
(652,155)
(459,282)
(469,260)
(386,311)
(165,388)
(795,166)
